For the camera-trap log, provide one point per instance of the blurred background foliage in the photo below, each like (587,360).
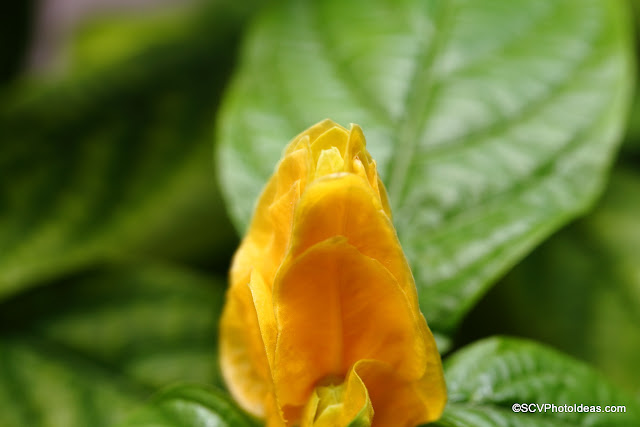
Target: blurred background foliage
(113,158)
(114,242)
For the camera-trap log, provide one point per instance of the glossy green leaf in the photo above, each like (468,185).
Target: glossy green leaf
(585,281)
(487,378)
(86,351)
(114,160)
(191,406)
(492,123)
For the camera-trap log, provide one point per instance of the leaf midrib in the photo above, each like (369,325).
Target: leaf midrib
(410,124)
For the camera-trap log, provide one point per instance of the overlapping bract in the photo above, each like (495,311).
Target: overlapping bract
(322,325)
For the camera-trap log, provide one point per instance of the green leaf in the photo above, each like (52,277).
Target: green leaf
(493,124)
(113,161)
(85,351)
(587,280)
(487,378)
(192,406)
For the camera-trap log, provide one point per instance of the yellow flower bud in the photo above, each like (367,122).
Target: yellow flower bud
(321,324)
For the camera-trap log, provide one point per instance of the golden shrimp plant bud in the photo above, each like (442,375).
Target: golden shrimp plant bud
(321,325)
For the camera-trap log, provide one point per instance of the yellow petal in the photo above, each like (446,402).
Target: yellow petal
(346,206)
(268,237)
(340,404)
(242,354)
(262,301)
(312,133)
(335,306)
(357,144)
(335,137)
(293,168)
(401,403)
(329,161)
